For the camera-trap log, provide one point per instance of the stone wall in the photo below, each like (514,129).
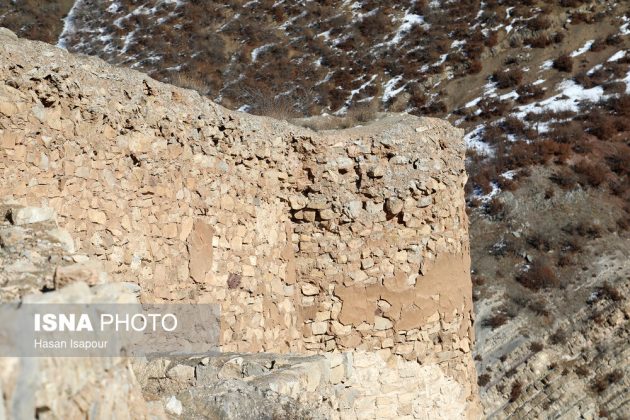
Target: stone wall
(311,242)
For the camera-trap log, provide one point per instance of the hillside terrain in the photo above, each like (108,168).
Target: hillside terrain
(542,88)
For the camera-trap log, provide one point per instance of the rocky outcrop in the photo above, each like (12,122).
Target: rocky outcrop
(348,242)
(38,265)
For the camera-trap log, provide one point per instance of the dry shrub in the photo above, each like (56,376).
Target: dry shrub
(618,187)
(539,41)
(591,174)
(376,23)
(623,223)
(539,276)
(582,371)
(496,209)
(571,3)
(492,107)
(186,81)
(515,392)
(621,105)
(601,125)
(529,92)
(510,78)
(265,102)
(362,112)
(513,125)
(559,336)
(573,244)
(538,305)
(563,63)
(508,184)
(565,260)
(34,19)
(539,23)
(483,379)
(536,347)
(619,162)
(583,230)
(602,382)
(483,180)
(582,146)
(583,80)
(610,292)
(548,149)
(558,37)
(616,87)
(539,241)
(567,132)
(475,67)
(478,280)
(435,108)
(474,49)
(598,45)
(613,40)
(522,155)
(492,39)
(581,17)
(496,320)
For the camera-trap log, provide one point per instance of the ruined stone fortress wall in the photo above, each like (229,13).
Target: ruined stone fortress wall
(351,241)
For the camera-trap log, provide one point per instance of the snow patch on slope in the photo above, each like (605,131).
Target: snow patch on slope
(569,98)
(390,88)
(69,27)
(584,48)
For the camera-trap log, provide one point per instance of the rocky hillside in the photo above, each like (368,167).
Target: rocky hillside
(541,88)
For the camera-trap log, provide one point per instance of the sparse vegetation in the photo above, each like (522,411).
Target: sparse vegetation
(483,379)
(496,320)
(540,275)
(610,292)
(516,390)
(558,337)
(592,174)
(563,63)
(323,59)
(507,79)
(602,382)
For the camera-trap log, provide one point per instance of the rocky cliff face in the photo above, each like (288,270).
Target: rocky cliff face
(348,245)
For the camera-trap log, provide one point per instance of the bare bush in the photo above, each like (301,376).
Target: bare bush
(591,174)
(563,63)
(515,392)
(539,23)
(529,92)
(598,45)
(602,382)
(571,3)
(496,320)
(610,292)
(483,379)
(559,336)
(496,209)
(539,276)
(582,371)
(539,41)
(510,78)
(564,179)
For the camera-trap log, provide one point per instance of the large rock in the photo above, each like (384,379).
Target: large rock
(27,215)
